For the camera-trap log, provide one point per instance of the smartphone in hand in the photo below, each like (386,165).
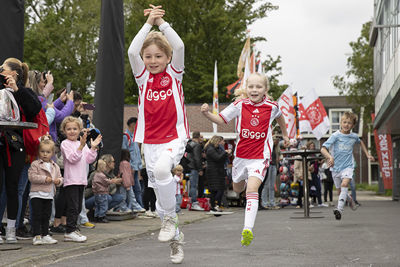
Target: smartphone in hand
(68,87)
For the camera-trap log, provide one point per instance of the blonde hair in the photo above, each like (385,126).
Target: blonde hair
(214,141)
(177,168)
(241,92)
(158,39)
(350,115)
(68,120)
(101,165)
(21,69)
(47,142)
(34,78)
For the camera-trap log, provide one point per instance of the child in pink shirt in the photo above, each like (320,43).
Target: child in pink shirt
(77,155)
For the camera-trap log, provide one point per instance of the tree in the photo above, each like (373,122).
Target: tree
(211,30)
(358,84)
(62,36)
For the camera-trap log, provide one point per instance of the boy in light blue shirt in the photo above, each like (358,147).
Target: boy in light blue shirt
(341,160)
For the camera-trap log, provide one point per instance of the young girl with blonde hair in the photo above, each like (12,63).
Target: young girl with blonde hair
(157,61)
(77,155)
(255,114)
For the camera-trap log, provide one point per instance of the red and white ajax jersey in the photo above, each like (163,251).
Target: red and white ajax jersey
(254,127)
(161,109)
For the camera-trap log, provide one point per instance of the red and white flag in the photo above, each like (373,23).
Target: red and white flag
(285,103)
(313,115)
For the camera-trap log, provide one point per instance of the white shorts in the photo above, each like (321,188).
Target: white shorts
(339,176)
(244,168)
(174,150)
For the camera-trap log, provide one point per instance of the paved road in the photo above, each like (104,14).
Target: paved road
(369,236)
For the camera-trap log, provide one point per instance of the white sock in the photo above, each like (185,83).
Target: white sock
(251,210)
(342,197)
(11,223)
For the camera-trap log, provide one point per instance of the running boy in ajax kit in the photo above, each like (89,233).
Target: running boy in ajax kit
(341,159)
(162,126)
(255,114)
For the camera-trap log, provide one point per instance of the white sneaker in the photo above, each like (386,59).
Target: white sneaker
(37,240)
(156,214)
(1,240)
(177,254)
(48,240)
(323,205)
(75,236)
(196,206)
(311,206)
(168,229)
(10,235)
(150,214)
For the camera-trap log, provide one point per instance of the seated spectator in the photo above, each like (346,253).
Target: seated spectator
(104,188)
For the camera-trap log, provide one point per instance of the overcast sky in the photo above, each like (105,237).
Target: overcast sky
(312,37)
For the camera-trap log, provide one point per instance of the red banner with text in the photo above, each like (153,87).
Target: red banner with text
(383,144)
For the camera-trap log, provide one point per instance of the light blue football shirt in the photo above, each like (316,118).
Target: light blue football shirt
(340,146)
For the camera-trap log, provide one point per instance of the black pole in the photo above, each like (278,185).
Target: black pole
(109,93)
(12,29)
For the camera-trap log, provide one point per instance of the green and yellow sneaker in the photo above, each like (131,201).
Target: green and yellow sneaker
(247,237)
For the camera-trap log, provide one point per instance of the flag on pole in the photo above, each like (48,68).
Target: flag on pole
(285,103)
(244,55)
(215,96)
(312,110)
(232,87)
(252,63)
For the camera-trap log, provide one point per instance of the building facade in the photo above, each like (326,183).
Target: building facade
(385,39)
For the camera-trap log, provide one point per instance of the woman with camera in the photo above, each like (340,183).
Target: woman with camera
(12,151)
(42,85)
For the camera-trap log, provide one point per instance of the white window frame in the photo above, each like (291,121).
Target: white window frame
(342,110)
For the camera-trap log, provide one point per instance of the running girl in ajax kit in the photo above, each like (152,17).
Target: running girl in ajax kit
(255,113)
(157,61)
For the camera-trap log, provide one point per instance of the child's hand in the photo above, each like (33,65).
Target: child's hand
(371,158)
(116,180)
(96,141)
(147,11)
(49,106)
(57,181)
(205,108)
(154,15)
(330,162)
(48,180)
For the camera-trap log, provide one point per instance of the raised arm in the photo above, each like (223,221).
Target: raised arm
(135,60)
(211,116)
(178,55)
